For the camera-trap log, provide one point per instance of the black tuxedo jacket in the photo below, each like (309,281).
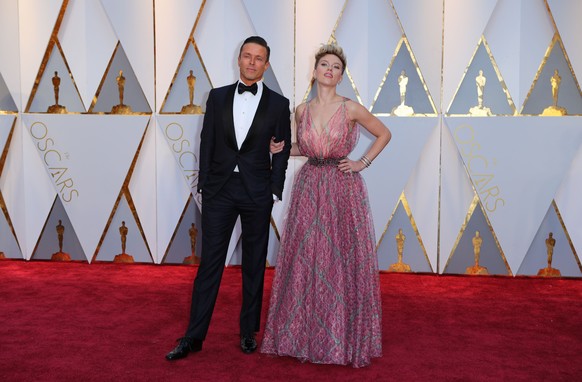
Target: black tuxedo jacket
(219,153)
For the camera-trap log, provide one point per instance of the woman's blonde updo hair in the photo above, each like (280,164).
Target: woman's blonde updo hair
(334,49)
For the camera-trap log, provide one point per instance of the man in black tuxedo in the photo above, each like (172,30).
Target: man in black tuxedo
(238,177)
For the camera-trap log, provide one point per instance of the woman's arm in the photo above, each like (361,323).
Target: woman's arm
(368,121)
(277,147)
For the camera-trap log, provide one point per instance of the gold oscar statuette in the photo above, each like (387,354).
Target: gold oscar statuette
(192,259)
(403,110)
(123,257)
(480,110)
(477,269)
(121,108)
(399,266)
(549,271)
(555,110)
(191,108)
(56,108)
(60,255)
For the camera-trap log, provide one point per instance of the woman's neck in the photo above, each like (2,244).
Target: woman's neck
(326,95)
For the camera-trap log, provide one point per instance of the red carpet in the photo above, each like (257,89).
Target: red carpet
(115,322)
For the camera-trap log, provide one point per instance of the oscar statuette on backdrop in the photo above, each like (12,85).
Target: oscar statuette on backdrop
(480,110)
(477,269)
(60,255)
(555,110)
(403,110)
(56,108)
(191,108)
(192,259)
(549,271)
(399,266)
(121,108)
(123,257)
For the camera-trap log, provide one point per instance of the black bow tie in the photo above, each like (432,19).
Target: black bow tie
(244,88)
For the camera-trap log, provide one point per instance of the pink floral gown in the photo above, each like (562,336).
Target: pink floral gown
(325,301)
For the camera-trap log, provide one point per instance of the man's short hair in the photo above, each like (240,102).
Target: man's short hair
(256,40)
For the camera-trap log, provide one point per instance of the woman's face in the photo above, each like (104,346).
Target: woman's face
(328,70)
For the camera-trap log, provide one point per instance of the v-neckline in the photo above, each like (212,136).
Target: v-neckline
(323,128)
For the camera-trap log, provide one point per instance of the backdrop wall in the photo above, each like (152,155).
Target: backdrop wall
(485,138)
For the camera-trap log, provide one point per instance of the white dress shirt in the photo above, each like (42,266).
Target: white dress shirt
(244,108)
(243,111)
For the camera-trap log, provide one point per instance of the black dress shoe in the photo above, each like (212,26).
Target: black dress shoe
(248,344)
(185,346)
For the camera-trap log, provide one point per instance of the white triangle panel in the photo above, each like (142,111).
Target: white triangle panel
(219,50)
(502,35)
(88,158)
(174,23)
(37,21)
(465,22)
(456,195)
(143,188)
(182,135)
(6,101)
(27,190)
(274,21)
(365,30)
(569,202)
(315,22)
(177,164)
(518,176)
(423,25)
(88,41)
(8,243)
(387,176)
(422,192)
(536,36)
(6,123)
(133,22)
(10,48)
(566,14)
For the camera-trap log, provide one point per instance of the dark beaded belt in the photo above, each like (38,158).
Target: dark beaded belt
(324,161)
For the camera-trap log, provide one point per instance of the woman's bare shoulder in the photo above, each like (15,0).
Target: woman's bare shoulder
(299,108)
(355,109)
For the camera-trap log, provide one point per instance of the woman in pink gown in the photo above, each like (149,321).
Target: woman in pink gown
(325,301)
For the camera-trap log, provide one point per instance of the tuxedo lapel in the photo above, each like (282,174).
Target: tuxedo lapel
(260,117)
(228,120)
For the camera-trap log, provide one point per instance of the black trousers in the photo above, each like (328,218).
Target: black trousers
(219,215)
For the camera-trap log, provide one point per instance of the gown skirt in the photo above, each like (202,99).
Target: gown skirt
(325,304)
